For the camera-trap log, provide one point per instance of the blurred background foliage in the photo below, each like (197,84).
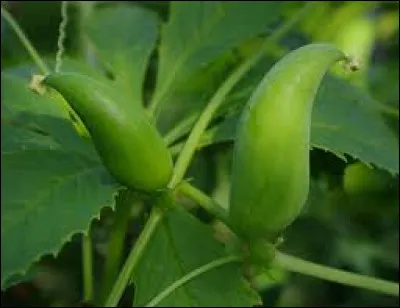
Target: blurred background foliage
(351,219)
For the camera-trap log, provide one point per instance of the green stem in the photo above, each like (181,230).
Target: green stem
(193,274)
(206,116)
(116,243)
(25,42)
(87,257)
(222,177)
(190,146)
(267,279)
(295,264)
(175,149)
(85,9)
(134,256)
(176,132)
(339,276)
(203,200)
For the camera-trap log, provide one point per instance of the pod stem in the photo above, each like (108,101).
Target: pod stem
(25,41)
(203,200)
(295,264)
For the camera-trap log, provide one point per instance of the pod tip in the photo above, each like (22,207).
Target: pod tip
(352,63)
(36,84)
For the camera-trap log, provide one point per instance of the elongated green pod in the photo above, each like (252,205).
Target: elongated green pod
(129,145)
(270,179)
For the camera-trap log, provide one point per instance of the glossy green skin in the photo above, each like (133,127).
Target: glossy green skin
(129,146)
(270,179)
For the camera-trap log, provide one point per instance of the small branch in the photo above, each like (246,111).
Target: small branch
(190,276)
(177,132)
(25,41)
(175,149)
(297,265)
(203,200)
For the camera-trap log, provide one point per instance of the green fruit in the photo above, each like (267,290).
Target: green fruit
(360,179)
(270,177)
(130,147)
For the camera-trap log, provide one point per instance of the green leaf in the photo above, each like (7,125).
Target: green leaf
(37,119)
(199,31)
(17,97)
(14,138)
(172,254)
(39,145)
(124,37)
(47,196)
(190,97)
(345,121)
(27,69)
(55,133)
(17,279)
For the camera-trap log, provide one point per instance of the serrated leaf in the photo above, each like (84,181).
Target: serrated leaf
(36,122)
(172,253)
(18,278)
(199,31)
(124,36)
(47,196)
(344,121)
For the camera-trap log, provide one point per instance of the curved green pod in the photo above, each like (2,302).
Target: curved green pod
(128,144)
(270,176)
